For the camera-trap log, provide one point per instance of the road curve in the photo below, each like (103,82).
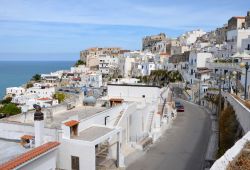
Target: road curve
(183,146)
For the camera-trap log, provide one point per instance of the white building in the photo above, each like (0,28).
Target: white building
(42,92)
(190,38)
(234,39)
(22,99)
(147,68)
(125,65)
(94,80)
(15,91)
(104,63)
(79,69)
(245,44)
(40,158)
(197,60)
(43,102)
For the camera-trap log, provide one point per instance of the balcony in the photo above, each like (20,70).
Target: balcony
(227,66)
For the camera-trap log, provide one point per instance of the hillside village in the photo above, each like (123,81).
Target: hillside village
(114,102)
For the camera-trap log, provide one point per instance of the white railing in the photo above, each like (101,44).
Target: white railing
(241,111)
(230,66)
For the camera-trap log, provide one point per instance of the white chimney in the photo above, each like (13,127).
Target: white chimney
(39,126)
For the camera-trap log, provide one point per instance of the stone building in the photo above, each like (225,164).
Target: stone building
(149,41)
(248,20)
(236,22)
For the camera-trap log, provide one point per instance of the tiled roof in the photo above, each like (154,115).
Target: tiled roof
(21,159)
(239,17)
(71,123)
(46,98)
(27,137)
(116,99)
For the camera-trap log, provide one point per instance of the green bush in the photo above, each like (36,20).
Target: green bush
(6,100)
(29,85)
(60,97)
(79,62)
(36,77)
(10,109)
(228,129)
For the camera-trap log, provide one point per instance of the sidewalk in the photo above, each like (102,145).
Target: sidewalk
(211,154)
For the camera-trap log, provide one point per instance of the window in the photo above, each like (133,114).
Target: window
(75,163)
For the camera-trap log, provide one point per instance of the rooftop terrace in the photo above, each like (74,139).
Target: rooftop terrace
(56,120)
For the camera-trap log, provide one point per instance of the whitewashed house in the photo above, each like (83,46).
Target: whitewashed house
(42,91)
(197,60)
(15,91)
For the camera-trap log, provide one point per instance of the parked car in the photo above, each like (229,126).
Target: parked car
(179,107)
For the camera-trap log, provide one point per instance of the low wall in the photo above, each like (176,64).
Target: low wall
(241,111)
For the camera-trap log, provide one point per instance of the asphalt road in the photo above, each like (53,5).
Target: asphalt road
(182,147)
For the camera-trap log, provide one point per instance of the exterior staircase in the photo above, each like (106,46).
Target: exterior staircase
(150,121)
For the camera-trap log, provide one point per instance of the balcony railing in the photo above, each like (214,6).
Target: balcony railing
(231,66)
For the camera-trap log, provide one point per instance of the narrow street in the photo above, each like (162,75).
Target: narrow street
(182,147)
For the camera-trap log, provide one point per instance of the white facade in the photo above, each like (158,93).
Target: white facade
(197,60)
(24,98)
(43,102)
(104,63)
(134,92)
(147,68)
(94,80)
(42,92)
(15,91)
(190,38)
(245,44)
(235,37)
(79,69)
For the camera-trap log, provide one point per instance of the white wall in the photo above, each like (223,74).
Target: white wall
(134,93)
(86,154)
(14,131)
(100,118)
(44,162)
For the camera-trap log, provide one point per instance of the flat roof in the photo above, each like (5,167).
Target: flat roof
(9,150)
(135,85)
(81,112)
(93,133)
(27,156)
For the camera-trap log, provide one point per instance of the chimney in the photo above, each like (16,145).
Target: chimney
(39,126)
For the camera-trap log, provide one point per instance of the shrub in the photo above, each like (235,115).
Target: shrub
(60,97)
(36,77)
(10,109)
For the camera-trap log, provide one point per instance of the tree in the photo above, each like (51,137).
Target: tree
(10,109)
(6,100)
(79,62)
(60,97)
(29,85)
(36,77)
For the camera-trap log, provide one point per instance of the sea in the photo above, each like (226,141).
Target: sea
(17,73)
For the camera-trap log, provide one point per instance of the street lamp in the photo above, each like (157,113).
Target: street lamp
(223,80)
(246,66)
(229,81)
(235,73)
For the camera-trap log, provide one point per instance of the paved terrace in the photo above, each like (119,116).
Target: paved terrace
(9,150)
(55,122)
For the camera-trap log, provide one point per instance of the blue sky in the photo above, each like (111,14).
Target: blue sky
(55,27)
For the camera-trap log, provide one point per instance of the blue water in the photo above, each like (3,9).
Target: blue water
(16,73)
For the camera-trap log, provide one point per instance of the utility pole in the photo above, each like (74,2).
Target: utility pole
(199,92)
(219,107)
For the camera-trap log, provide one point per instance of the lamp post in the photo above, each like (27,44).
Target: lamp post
(246,66)
(229,82)
(235,73)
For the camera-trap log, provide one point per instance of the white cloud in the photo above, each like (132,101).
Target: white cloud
(114,12)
